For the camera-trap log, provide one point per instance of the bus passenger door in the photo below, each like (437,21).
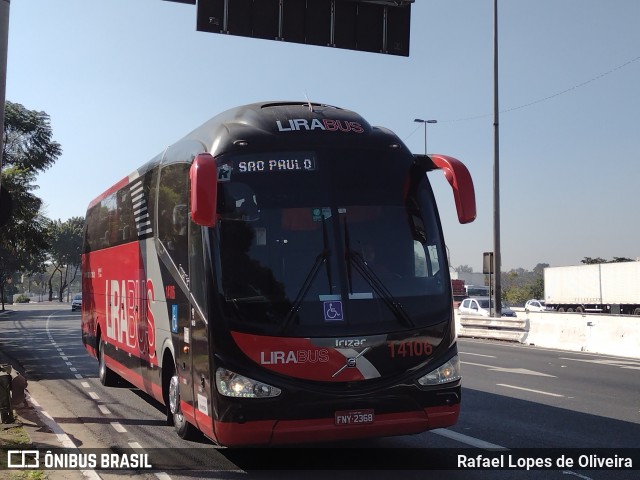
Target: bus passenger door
(173,236)
(200,348)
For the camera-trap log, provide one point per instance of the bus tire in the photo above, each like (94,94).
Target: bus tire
(174,415)
(107,377)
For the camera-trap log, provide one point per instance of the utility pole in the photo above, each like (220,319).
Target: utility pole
(496,171)
(4,48)
(5,200)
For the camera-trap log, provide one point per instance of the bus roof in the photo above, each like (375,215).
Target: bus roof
(264,126)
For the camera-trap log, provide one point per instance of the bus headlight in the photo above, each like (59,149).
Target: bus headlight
(230,384)
(448,372)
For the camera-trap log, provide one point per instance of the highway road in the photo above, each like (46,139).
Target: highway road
(514,397)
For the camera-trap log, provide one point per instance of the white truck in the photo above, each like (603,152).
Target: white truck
(603,287)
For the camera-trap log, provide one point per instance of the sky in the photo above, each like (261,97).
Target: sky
(123,79)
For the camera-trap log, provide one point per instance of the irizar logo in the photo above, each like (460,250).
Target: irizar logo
(350,342)
(326,124)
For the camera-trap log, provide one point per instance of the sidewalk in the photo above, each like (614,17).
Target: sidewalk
(29,430)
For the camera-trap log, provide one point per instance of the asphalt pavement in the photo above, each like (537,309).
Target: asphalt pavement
(28,420)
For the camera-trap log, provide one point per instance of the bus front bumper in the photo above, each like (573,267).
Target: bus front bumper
(282,432)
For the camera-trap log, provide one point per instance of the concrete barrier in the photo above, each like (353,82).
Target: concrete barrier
(504,328)
(608,334)
(617,335)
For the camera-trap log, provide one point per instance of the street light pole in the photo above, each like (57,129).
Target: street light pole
(5,199)
(4,47)
(419,120)
(496,171)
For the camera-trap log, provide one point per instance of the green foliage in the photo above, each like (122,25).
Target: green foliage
(521,285)
(28,150)
(593,261)
(464,269)
(66,240)
(65,252)
(28,142)
(22,299)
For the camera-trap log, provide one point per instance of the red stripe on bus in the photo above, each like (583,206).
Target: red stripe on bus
(134,378)
(122,183)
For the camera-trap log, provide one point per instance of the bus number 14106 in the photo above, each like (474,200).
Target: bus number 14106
(410,348)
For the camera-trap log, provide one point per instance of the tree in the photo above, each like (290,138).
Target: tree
(28,149)
(621,259)
(591,261)
(464,269)
(28,140)
(65,252)
(539,269)
(520,285)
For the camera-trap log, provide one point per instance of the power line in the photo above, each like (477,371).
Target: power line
(579,85)
(549,97)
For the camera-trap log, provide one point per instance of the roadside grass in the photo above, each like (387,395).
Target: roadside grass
(15,437)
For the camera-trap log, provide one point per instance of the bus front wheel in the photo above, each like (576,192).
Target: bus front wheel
(183,428)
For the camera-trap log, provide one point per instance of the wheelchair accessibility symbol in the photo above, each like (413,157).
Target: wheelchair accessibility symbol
(333,311)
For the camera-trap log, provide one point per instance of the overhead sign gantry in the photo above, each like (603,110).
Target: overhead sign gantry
(379,26)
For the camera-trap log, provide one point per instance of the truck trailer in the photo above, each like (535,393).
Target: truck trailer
(602,288)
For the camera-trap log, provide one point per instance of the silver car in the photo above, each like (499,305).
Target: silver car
(76,303)
(535,306)
(482,306)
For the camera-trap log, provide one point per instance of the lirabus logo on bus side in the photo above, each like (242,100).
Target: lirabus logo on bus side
(130,322)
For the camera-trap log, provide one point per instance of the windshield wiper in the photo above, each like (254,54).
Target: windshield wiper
(355,259)
(322,257)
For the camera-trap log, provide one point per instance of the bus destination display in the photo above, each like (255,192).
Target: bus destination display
(288,162)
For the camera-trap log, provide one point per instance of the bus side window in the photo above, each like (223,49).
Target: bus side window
(173,213)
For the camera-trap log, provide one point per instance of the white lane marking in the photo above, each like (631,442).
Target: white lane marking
(530,390)
(85,384)
(118,428)
(569,472)
(60,434)
(78,376)
(521,371)
(94,395)
(479,355)
(159,475)
(466,439)
(104,410)
(635,365)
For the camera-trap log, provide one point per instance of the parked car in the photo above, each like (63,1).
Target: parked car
(534,305)
(482,306)
(76,303)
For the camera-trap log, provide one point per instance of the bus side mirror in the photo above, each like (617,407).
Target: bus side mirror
(204,190)
(460,180)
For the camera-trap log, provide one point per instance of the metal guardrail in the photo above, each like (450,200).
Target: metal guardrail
(503,328)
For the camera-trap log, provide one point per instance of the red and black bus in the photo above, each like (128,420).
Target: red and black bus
(279,275)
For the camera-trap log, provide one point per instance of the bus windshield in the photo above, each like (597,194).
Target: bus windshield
(329,242)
